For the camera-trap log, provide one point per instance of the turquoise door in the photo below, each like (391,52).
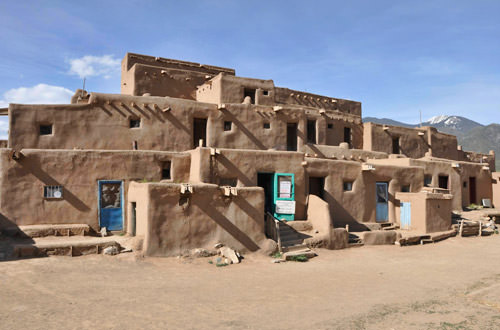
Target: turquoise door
(284,196)
(111,204)
(382,199)
(405,218)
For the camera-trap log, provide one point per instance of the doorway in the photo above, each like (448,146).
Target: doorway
(382,199)
(291,136)
(199,132)
(472,190)
(317,186)
(265,180)
(110,196)
(443,181)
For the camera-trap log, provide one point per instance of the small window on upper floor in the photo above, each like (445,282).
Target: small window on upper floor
(405,188)
(251,93)
(265,93)
(135,123)
(166,170)
(347,185)
(427,180)
(329,126)
(46,129)
(227,125)
(267,125)
(53,192)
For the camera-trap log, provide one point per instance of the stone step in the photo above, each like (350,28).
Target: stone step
(63,246)
(390,228)
(45,230)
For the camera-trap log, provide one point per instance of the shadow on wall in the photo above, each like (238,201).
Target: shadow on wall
(234,169)
(245,130)
(33,167)
(10,238)
(204,203)
(341,217)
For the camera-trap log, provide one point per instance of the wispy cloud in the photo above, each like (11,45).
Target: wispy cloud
(88,66)
(436,67)
(38,94)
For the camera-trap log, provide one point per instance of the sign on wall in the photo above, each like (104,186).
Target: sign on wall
(285,207)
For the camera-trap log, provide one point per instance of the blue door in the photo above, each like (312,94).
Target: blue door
(382,197)
(405,215)
(111,204)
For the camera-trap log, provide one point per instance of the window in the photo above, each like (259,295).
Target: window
(53,192)
(311,131)
(135,123)
(427,180)
(166,170)
(232,182)
(227,125)
(330,126)
(395,145)
(405,188)
(265,93)
(443,182)
(251,93)
(45,129)
(465,184)
(348,185)
(347,135)
(267,125)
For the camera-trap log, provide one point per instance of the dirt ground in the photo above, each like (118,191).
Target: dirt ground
(454,284)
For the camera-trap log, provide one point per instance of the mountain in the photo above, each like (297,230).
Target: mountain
(455,125)
(471,135)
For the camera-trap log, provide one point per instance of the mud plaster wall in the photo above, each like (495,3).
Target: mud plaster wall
(496,189)
(457,177)
(244,166)
(475,157)
(23,181)
(178,223)
(429,212)
(164,77)
(105,124)
(358,205)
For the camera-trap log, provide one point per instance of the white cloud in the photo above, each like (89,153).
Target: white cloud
(88,66)
(39,94)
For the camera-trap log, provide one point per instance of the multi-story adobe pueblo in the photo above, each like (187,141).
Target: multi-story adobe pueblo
(189,155)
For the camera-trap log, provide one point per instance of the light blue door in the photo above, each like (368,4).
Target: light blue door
(111,204)
(405,215)
(382,199)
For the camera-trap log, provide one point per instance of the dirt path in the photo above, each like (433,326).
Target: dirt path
(454,284)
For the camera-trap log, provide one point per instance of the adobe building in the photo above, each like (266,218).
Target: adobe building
(189,155)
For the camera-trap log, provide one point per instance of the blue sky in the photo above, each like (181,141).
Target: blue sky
(396,57)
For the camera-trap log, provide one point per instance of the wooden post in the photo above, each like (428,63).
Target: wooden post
(461,228)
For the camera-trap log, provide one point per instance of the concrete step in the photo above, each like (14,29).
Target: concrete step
(63,246)
(299,252)
(52,230)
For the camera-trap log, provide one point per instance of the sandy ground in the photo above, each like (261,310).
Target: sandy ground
(454,284)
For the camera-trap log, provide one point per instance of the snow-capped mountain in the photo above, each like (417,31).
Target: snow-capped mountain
(451,124)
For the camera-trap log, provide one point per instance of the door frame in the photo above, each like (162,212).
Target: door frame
(386,184)
(122,202)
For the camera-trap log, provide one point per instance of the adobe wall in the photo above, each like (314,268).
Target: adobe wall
(359,205)
(226,88)
(104,123)
(177,223)
(293,97)
(244,165)
(78,171)
(429,212)
(165,77)
(435,167)
(476,157)
(377,137)
(496,189)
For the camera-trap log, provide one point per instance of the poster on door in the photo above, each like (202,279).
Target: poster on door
(285,207)
(285,187)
